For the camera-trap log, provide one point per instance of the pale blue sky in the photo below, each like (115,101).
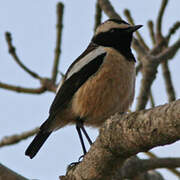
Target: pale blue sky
(32,24)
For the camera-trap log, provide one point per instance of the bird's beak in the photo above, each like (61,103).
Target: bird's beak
(134,28)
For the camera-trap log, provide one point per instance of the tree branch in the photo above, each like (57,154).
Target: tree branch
(174,171)
(134,167)
(12,51)
(108,9)
(22,89)
(131,21)
(8,174)
(151,31)
(98,16)
(9,140)
(168,82)
(169,53)
(160,16)
(125,135)
(59,26)
(173,30)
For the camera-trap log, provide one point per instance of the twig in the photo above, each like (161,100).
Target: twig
(22,89)
(131,21)
(169,53)
(151,31)
(160,16)
(173,30)
(9,140)
(12,51)
(151,97)
(168,82)
(174,171)
(98,16)
(59,26)
(108,9)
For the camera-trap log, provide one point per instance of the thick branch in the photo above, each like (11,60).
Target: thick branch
(59,26)
(8,174)
(125,135)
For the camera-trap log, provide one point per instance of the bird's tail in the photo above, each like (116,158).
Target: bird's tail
(37,143)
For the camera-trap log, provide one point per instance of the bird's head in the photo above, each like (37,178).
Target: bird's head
(114,32)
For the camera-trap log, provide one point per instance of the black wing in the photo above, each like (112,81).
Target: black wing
(71,85)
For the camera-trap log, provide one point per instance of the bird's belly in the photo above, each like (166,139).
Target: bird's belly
(109,91)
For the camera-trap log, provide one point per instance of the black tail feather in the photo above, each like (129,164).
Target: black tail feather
(37,143)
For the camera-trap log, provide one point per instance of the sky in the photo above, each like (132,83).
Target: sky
(33,27)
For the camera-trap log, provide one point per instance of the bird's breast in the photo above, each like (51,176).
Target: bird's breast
(108,91)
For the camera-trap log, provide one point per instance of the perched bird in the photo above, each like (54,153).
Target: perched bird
(98,84)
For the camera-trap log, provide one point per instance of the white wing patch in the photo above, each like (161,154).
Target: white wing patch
(85,60)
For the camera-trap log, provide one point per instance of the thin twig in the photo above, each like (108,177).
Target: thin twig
(174,171)
(9,140)
(108,9)
(12,51)
(98,16)
(22,89)
(151,31)
(169,52)
(131,21)
(151,97)
(160,16)
(173,30)
(59,26)
(168,82)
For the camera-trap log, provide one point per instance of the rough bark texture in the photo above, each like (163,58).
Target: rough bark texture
(125,135)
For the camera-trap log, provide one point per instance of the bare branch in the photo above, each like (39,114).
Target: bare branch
(160,16)
(98,16)
(125,135)
(108,9)
(13,139)
(12,51)
(131,21)
(151,97)
(8,174)
(169,52)
(151,31)
(168,82)
(173,30)
(174,171)
(22,89)
(59,26)
(137,167)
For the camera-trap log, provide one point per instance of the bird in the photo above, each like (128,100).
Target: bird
(98,84)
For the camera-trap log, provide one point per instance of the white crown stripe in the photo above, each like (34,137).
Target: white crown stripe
(85,60)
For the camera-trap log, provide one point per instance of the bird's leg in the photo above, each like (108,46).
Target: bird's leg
(85,133)
(80,137)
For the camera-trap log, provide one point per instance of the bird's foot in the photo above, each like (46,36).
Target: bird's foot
(74,164)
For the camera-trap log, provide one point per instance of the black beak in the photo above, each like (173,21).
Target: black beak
(134,28)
